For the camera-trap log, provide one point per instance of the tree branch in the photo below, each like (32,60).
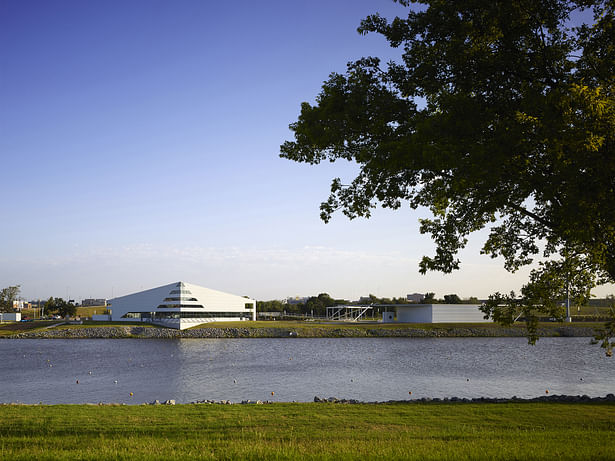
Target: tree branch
(529,214)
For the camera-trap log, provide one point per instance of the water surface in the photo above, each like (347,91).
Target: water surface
(369,369)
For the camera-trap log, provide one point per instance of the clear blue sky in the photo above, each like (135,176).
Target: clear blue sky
(139,146)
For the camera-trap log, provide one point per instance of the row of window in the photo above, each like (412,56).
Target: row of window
(185,315)
(248,306)
(180,292)
(181,298)
(176,306)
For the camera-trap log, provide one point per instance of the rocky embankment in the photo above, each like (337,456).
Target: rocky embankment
(299,332)
(514,399)
(544,398)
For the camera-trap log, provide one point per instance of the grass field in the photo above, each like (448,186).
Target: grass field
(384,326)
(512,431)
(81,312)
(8,329)
(317,329)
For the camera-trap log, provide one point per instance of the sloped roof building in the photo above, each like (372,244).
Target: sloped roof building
(182,305)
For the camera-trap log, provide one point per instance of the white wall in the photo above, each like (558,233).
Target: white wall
(440,313)
(143,301)
(415,314)
(454,313)
(101,317)
(388,316)
(10,316)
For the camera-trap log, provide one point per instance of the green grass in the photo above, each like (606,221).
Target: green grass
(305,329)
(90,311)
(81,311)
(512,431)
(103,324)
(338,324)
(7,329)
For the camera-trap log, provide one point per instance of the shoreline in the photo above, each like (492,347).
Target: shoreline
(138,332)
(561,398)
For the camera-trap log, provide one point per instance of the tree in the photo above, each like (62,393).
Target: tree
(500,114)
(60,307)
(316,305)
(452,299)
(7,296)
(430,298)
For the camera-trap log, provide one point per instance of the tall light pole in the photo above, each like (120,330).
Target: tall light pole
(568,317)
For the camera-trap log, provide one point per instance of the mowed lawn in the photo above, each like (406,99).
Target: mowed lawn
(524,431)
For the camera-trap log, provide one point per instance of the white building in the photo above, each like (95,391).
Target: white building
(10,317)
(20,305)
(436,313)
(415,297)
(181,305)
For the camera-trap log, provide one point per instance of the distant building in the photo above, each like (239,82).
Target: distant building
(181,305)
(268,315)
(297,300)
(94,302)
(415,298)
(435,313)
(10,316)
(19,305)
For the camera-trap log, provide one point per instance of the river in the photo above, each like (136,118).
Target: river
(368,369)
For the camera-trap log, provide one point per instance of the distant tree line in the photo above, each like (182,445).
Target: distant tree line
(317,305)
(430,298)
(52,306)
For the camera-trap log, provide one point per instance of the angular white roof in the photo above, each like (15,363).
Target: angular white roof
(179,289)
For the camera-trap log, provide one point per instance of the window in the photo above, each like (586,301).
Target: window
(177,306)
(201,315)
(181,298)
(132,315)
(186,315)
(249,306)
(180,292)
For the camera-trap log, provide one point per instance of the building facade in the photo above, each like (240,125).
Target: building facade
(415,297)
(435,313)
(181,305)
(93,302)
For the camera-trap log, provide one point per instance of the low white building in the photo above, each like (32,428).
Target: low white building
(181,305)
(435,313)
(10,316)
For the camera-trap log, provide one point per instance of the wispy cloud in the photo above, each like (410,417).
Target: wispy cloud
(143,253)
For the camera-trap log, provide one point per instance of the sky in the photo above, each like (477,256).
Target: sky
(139,146)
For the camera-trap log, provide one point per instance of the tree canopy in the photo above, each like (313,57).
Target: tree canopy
(61,307)
(499,114)
(7,296)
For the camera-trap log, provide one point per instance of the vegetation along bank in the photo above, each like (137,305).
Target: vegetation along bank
(299,330)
